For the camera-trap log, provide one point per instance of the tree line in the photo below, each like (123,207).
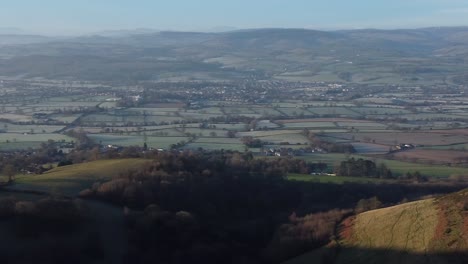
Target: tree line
(316,141)
(363,168)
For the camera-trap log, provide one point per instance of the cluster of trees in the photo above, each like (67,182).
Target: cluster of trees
(83,141)
(9,171)
(55,225)
(193,206)
(30,160)
(178,144)
(301,234)
(415,176)
(54,215)
(363,168)
(364,205)
(331,147)
(251,142)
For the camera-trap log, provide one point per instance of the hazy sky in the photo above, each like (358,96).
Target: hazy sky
(81,16)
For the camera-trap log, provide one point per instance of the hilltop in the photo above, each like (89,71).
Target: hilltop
(70,180)
(427,231)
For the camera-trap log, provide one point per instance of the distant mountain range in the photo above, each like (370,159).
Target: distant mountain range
(422,56)
(15,39)
(124,32)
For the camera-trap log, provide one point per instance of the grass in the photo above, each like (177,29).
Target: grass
(460,147)
(416,138)
(13,128)
(277,136)
(369,148)
(155,142)
(66,118)
(70,180)
(438,171)
(433,156)
(397,167)
(319,125)
(217,143)
(331,159)
(407,233)
(124,117)
(342,111)
(206,132)
(234,126)
(408,227)
(380,111)
(215,146)
(362,125)
(332,179)
(293,139)
(13,141)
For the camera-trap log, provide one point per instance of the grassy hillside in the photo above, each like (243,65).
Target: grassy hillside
(70,180)
(410,227)
(426,231)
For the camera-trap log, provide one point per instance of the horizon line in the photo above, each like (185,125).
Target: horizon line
(23,32)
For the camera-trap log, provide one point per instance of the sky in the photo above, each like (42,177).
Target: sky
(66,17)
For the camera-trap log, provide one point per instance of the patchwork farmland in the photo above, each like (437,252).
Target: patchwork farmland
(374,127)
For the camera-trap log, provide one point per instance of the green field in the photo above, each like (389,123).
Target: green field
(410,227)
(334,111)
(397,167)
(70,180)
(14,128)
(217,143)
(369,148)
(330,159)
(310,125)
(154,142)
(11,141)
(278,136)
(380,111)
(400,167)
(332,179)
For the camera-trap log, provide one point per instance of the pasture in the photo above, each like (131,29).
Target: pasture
(211,143)
(332,179)
(369,148)
(11,141)
(19,128)
(154,142)
(311,125)
(334,111)
(438,171)
(408,227)
(70,180)
(398,167)
(415,138)
(286,137)
(433,156)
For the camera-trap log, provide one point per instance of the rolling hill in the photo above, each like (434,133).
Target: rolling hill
(427,231)
(70,180)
